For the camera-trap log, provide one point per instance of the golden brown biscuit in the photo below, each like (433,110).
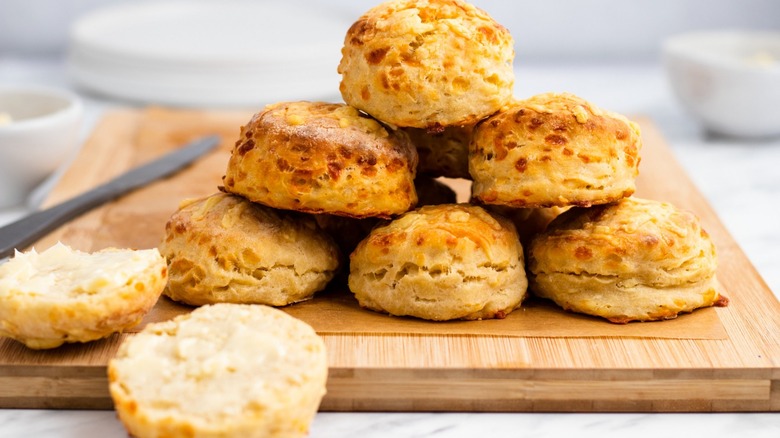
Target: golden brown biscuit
(61,295)
(224,248)
(348,232)
(554,149)
(632,260)
(427,63)
(224,370)
(441,262)
(444,153)
(323,158)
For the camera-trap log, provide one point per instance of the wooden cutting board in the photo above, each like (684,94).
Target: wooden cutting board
(735,366)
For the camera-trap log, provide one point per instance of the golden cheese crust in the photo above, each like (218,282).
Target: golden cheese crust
(319,157)
(554,149)
(427,63)
(444,153)
(224,248)
(443,262)
(632,260)
(63,295)
(223,370)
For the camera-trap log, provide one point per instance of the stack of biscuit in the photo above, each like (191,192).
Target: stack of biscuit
(428,92)
(427,86)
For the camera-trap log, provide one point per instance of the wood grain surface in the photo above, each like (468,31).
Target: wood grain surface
(737,369)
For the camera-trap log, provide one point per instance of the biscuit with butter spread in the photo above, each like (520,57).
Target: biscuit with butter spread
(62,295)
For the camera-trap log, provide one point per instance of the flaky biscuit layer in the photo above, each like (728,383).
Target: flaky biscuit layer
(441,262)
(224,248)
(636,259)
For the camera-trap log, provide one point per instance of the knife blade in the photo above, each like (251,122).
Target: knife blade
(32,227)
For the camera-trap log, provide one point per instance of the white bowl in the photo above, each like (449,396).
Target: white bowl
(729,80)
(39,130)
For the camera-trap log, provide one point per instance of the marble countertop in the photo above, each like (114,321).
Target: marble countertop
(738,177)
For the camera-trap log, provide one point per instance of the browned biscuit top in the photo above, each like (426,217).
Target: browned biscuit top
(651,242)
(427,63)
(563,123)
(554,149)
(433,230)
(323,158)
(224,248)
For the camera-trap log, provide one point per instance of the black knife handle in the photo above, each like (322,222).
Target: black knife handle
(30,228)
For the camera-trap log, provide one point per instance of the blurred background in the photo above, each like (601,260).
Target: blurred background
(550,30)
(247,53)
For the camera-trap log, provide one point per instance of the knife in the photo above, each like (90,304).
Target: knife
(30,228)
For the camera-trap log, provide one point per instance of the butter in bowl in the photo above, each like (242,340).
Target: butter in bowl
(39,131)
(728,80)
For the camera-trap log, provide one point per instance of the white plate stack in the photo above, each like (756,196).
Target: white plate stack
(209,53)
